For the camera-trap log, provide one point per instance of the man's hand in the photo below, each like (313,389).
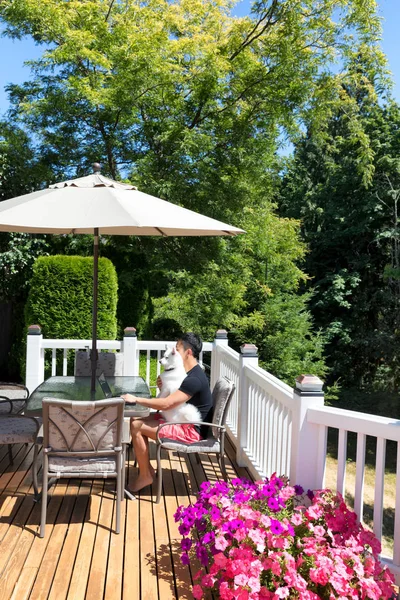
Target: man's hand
(129,399)
(159,382)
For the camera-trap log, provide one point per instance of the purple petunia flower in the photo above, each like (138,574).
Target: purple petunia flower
(221,487)
(276,527)
(273,504)
(240,497)
(268,490)
(183,529)
(185,559)
(213,550)
(205,486)
(208,537)
(190,520)
(246,483)
(290,530)
(310,494)
(200,524)
(215,513)
(298,489)
(202,555)
(199,510)
(232,525)
(186,544)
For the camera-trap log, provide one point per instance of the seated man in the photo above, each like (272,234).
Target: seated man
(194,389)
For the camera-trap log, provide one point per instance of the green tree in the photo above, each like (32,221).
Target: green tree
(21,171)
(189,103)
(343,183)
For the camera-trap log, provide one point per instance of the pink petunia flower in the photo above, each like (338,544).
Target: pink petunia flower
(197,592)
(221,543)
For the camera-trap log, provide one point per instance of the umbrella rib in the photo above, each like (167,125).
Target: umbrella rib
(161,231)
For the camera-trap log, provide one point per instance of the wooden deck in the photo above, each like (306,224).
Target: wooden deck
(80,556)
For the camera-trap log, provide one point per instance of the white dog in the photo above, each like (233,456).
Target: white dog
(171,378)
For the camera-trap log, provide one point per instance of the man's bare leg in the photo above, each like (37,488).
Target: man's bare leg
(141,431)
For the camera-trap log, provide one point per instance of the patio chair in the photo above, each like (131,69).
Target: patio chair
(215,442)
(16,428)
(109,363)
(84,440)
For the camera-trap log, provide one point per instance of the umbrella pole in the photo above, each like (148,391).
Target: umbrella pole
(93,355)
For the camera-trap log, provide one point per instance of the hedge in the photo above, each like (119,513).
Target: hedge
(60,299)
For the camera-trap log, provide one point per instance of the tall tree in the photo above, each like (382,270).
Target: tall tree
(343,183)
(21,171)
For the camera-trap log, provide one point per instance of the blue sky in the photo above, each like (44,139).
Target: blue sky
(15,53)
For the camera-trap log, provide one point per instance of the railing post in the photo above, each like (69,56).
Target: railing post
(248,356)
(304,458)
(129,349)
(221,339)
(34,373)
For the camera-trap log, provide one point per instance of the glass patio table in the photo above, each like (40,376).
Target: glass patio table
(78,388)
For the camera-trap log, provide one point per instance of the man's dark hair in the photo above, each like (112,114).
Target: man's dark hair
(192,341)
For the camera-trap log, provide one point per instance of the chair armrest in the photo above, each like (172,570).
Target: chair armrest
(221,427)
(39,437)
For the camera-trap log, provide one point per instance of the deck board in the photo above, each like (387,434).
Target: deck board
(81,557)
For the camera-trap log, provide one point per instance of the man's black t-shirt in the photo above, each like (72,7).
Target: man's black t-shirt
(197,387)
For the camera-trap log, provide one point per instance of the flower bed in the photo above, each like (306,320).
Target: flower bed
(269,540)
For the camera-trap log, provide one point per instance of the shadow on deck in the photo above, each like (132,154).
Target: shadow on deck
(80,556)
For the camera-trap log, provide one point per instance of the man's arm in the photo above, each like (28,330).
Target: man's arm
(171,401)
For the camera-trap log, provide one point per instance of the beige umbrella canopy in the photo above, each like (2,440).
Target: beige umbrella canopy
(96,204)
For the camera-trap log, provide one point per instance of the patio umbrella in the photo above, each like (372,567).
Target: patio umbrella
(96,204)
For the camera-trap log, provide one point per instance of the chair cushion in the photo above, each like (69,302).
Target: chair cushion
(17,430)
(11,407)
(209,445)
(221,395)
(97,466)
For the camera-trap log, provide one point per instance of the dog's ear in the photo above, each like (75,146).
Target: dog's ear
(173,350)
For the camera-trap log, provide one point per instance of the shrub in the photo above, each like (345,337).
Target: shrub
(60,299)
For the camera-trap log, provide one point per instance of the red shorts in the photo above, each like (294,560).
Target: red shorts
(186,433)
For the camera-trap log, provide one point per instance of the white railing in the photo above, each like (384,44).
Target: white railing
(269,422)
(226,363)
(382,429)
(275,429)
(140,357)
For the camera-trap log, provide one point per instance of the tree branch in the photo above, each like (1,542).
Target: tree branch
(109,10)
(254,34)
(233,102)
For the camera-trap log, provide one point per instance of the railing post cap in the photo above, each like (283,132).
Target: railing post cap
(249,350)
(221,334)
(309,383)
(130,332)
(34,330)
